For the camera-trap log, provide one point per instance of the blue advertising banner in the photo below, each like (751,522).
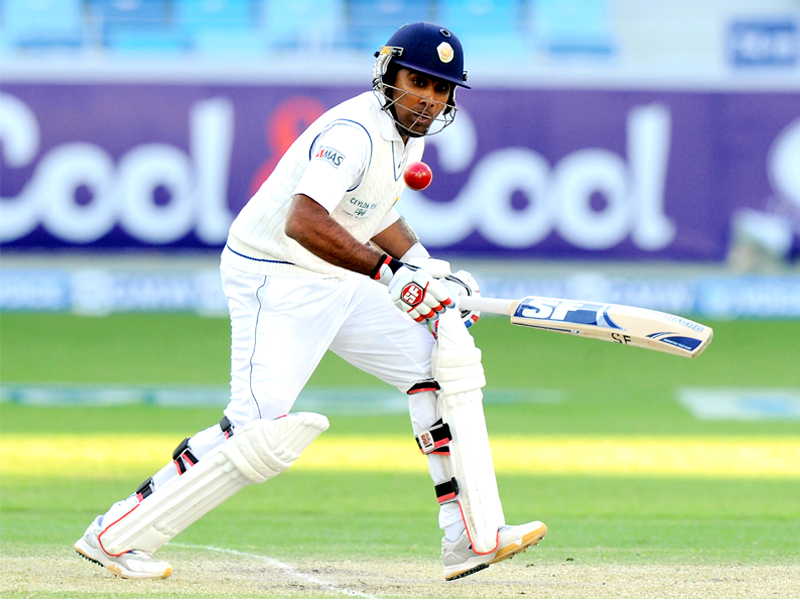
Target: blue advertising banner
(103,291)
(560,173)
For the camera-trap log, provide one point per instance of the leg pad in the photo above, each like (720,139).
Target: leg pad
(258,451)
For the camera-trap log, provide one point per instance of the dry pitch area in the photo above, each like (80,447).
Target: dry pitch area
(225,574)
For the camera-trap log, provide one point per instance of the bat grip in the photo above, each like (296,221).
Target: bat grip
(496,306)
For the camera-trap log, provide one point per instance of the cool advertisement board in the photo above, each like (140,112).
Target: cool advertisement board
(528,173)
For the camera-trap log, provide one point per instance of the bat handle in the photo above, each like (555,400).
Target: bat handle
(496,306)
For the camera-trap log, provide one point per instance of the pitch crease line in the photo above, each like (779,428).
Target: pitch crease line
(274,562)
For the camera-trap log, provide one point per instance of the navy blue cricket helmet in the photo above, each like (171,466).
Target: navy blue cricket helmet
(426,48)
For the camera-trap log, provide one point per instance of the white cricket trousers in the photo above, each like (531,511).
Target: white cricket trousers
(281,328)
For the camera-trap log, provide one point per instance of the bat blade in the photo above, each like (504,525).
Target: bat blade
(627,325)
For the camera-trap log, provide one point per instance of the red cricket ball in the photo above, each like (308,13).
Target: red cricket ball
(418,176)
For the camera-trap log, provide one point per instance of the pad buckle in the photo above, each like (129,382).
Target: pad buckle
(147,487)
(183,457)
(226,426)
(435,439)
(447,491)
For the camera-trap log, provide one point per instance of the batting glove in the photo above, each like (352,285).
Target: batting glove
(462,283)
(435,266)
(413,290)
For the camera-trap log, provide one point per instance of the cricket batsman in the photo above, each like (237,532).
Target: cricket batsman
(319,259)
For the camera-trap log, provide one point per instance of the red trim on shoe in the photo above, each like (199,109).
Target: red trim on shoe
(99,535)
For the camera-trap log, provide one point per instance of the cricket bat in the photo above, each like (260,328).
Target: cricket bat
(627,325)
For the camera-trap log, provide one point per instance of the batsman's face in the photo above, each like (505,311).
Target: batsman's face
(418,100)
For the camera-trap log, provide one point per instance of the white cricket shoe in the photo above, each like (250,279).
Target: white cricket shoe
(135,564)
(460,560)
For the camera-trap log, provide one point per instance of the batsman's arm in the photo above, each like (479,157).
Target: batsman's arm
(412,290)
(396,239)
(311,226)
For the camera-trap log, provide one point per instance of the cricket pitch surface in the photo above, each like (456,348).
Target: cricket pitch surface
(219,573)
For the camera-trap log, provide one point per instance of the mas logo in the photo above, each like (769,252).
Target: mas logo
(330,155)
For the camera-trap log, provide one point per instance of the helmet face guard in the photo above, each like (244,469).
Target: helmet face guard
(391,95)
(424,48)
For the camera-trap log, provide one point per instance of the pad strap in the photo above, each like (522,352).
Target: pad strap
(429,385)
(144,490)
(446,491)
(183,457)
(435,439)
(226,426)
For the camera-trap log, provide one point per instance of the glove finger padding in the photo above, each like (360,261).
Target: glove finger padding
(419,294)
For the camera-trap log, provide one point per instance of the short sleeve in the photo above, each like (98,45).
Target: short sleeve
(338,160)
(389,219)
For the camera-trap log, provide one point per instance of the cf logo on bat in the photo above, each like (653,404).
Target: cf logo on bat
(412,294)
(567,312)
(555,311)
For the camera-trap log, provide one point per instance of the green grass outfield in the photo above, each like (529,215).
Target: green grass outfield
(609,395)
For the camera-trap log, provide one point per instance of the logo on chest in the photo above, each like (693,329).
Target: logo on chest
(330,155)
(358,209)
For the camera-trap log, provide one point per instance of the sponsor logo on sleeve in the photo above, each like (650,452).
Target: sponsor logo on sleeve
(330,155)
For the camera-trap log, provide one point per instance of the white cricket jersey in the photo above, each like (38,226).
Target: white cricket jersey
(351,161)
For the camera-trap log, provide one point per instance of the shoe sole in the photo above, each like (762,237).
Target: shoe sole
(471,571)
(529,539)
(86,554)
